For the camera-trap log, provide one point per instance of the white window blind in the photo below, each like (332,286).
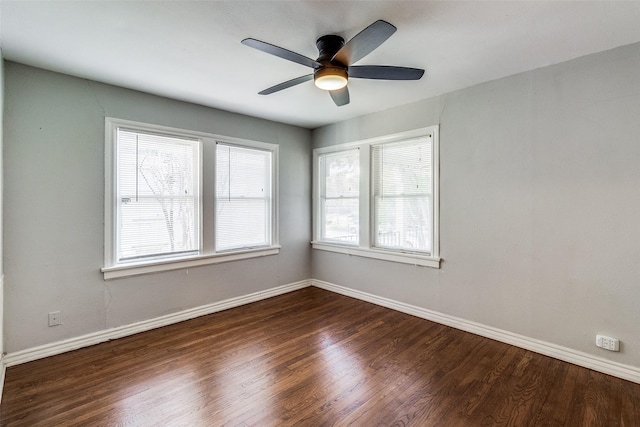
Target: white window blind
(157,195)
(339,196)
(243,197)
(403,195)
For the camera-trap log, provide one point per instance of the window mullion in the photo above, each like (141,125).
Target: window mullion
(365,196)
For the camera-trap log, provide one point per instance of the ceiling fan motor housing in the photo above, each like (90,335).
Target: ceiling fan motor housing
(332,75)
(328,46)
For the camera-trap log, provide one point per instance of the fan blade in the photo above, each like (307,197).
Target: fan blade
(364,42)
(287,84)
(384,72)
(281,52)
(340,96)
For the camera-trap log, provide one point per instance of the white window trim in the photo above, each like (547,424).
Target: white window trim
(386,255)
(365,248)
(206,255)
(186,262)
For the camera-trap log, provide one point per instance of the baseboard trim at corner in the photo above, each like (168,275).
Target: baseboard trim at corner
(626,372)
(46,350)
(3,364)
(3,371)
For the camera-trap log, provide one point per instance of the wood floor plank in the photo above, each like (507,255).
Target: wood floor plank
(311,358)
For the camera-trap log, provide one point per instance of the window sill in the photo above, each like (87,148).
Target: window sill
(404,258)
(126,270)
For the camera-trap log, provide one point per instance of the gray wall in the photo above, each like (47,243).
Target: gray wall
(54,209)
(540,205)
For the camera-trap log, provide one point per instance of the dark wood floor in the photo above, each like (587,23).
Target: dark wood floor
(311,358)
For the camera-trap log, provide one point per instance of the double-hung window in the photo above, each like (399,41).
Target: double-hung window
(379,198)
(157,200)
(403,195)
(243,197)
(340,196)
(178,199)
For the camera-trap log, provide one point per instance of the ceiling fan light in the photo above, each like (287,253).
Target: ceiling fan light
(330,78)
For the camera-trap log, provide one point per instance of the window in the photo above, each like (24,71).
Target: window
(178,199)
(157,196)
(243,197)
(402,195)
(379,198)
(339,196)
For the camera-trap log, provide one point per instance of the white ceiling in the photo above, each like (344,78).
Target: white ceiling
(191,51)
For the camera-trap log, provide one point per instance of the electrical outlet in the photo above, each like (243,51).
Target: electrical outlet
(607,343)
(55,319)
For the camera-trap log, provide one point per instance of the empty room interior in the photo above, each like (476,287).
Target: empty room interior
(256,213)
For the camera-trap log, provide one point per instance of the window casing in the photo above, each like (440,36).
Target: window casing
(165,201)
(397,198)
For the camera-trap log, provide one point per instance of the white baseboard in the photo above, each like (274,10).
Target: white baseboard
(3,366)
(46,350)
(3,371)
(627,372)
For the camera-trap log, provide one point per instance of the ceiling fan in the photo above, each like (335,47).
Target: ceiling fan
(335,62)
